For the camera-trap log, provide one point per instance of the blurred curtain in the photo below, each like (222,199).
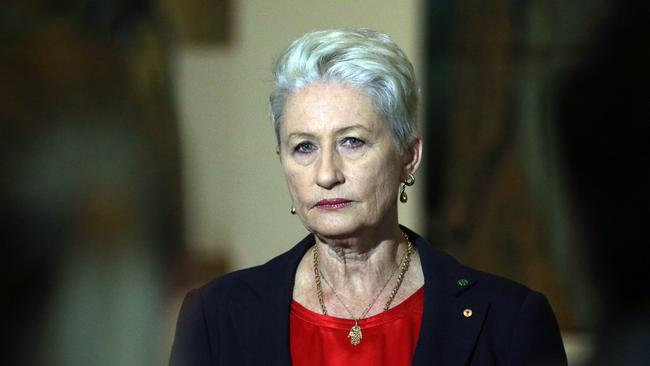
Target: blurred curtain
(495,198)
(90,198)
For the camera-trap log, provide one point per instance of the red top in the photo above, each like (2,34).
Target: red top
(389,338)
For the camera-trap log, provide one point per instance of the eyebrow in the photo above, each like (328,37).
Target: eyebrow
(337,132)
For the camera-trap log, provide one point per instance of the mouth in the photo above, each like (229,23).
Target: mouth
(332,204)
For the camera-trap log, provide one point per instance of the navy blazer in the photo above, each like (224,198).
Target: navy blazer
(242,318)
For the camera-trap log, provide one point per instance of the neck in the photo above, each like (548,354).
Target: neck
(361,263)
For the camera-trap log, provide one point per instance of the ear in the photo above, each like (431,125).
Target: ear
(412,157)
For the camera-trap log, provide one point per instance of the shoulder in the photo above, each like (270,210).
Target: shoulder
(254,281)
(507,298)
(499,290)
(512,323)
(453,277)
(207,311)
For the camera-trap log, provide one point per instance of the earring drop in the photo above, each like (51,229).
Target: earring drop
(293,210)
(410,180)
(403,197)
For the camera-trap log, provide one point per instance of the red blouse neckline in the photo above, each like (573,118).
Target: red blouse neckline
(406,307)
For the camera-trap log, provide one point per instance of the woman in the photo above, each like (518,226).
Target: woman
(359,288)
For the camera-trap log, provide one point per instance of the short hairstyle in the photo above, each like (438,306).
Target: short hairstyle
(361,58)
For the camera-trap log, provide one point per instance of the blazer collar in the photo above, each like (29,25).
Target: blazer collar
(447,335)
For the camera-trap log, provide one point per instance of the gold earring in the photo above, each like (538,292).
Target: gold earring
(402,195)
(410,180)
(293,210)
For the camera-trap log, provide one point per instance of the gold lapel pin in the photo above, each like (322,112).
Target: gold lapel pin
(467,313)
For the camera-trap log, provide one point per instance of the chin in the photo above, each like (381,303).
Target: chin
(334,228)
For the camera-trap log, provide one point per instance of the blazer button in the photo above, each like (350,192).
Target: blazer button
(467,313)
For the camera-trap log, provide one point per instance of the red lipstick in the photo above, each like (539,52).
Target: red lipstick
(333,203)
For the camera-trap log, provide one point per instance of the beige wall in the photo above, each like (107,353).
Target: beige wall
(236,201)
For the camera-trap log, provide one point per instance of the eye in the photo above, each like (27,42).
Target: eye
(305,147)
(353,142)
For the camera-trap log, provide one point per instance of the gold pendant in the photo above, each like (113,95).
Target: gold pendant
(355,334)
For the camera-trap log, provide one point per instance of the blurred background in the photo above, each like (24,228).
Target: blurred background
(137,160)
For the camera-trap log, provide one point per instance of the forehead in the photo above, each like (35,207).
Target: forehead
(323,107)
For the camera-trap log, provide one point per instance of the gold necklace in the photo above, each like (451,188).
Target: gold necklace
(355,333)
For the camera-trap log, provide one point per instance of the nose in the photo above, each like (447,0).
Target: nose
(329,173)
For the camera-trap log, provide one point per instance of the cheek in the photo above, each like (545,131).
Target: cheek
(382,167)
(387,191)
(295,178)
(379,181)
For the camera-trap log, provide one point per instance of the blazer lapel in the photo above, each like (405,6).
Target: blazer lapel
(261,319)
(448,332)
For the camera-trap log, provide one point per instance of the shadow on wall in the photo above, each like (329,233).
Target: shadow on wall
(602,126)
(496,72)
(538,148)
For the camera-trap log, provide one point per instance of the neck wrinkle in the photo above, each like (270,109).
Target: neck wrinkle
(360,270)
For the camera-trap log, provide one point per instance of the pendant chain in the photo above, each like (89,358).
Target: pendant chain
(355,332)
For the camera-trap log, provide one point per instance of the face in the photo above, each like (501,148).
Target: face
(340,161)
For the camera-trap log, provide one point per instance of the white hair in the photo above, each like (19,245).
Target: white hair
(361,58)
